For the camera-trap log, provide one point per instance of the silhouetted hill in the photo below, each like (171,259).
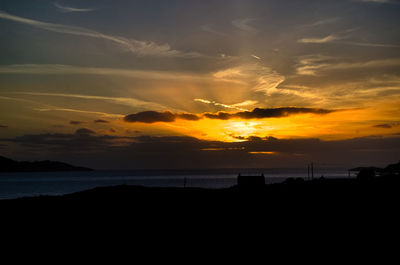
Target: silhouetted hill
(291,192)
(9,165)
(393,168)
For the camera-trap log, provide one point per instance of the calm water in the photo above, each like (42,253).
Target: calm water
(15,185)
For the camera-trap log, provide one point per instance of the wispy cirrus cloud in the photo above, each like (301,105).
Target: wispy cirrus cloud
(59,69)
(49,108)
(260,78)
(372,45)
(327,39)
(323,22)
(117,100)
(63,8)
(211,29)
(237,106)
(97,113)
(244,25)
(340,38)
(314,64)
(139,48)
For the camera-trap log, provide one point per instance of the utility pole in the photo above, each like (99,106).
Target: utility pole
(312,170)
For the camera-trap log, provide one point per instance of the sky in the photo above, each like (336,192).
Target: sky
(200,84)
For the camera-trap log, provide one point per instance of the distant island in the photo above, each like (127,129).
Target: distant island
(9,165)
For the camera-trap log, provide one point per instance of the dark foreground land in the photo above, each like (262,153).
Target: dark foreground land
(281,215)
(249,206)
(378,192)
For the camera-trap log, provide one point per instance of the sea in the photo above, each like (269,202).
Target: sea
(31,184)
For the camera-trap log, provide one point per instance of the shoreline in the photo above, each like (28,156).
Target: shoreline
(324,188)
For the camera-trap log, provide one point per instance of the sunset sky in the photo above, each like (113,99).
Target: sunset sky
(194,84)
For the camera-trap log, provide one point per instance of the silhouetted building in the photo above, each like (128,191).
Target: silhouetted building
(251,181)
(366,173)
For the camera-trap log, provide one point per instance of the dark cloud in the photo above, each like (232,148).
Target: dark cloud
(279,112)
(101,121)
(187,116)
(385,126)
(257,113)
(173,152)
(66,146)
(150,117)
(250,138)
(84,131)
(156,116)
(76,122)
(219,116)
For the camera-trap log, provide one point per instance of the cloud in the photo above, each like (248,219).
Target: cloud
(173,152)
(219,115)
(385,126)
(245,103)
(139,48)
(368,64)
(60,69)
(72,9)
(76,122)
(323,22)
(101,121)
(210,29)
(372,45)
(336,38)
(81,142)
(257,113)
(326,39)
(233,106)
(244,24)
(84,131)
(260,78)
(313,64)
(117,100)
(187,116)
(155,116)
(98,113)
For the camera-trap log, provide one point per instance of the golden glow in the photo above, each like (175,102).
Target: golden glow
(243,128)
(335,126)
(263,153)
(223,149)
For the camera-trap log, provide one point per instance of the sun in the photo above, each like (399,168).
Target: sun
(240,130)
